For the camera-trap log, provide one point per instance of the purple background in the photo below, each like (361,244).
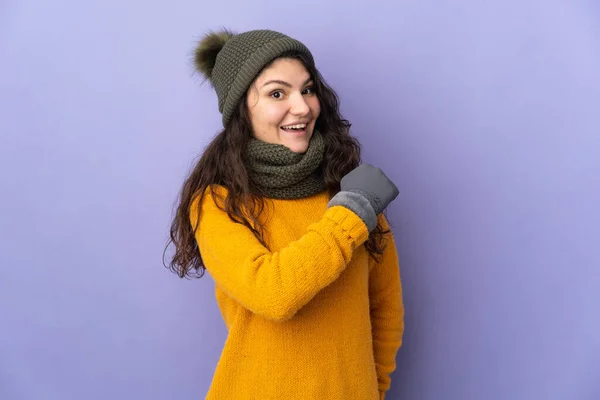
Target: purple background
(486,115)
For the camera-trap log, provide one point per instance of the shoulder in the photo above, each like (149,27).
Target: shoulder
(209,195)
(211,199)
(383,222)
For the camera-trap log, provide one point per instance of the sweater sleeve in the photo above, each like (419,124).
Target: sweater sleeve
(387,310)
(277,284)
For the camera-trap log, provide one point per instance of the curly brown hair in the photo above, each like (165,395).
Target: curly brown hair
(223,162)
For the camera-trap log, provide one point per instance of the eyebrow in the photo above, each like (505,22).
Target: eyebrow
(284,83)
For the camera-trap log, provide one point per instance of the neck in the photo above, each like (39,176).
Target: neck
(280,173)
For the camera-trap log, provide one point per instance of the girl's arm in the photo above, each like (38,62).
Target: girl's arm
(387,310)
(275,284)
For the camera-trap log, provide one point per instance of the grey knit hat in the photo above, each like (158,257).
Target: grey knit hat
(231,61)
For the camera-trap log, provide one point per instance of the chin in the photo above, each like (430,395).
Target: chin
(297,147)
(298,144)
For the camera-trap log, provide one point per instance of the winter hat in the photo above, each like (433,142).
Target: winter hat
(231,61)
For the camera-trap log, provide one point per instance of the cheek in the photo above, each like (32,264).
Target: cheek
(315,107)
(274,113)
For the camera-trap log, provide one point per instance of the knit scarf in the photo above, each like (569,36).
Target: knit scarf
(282,174)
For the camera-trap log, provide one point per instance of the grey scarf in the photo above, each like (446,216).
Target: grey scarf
(282,174)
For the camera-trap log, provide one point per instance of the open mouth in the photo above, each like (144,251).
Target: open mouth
(297,128)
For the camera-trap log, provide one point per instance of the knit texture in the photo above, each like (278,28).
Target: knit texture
(357,203)
(282,174)
(309,317)
(240,61)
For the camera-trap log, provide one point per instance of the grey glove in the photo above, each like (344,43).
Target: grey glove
(366,191)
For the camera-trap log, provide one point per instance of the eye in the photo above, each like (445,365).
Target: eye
(278,94)
(309,90)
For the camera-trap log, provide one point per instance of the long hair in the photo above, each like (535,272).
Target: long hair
(223,162)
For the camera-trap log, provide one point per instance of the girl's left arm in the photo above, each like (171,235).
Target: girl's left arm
(387,310)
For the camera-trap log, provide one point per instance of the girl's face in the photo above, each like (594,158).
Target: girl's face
(283,106)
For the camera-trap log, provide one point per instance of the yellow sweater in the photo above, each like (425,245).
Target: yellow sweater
(312,317)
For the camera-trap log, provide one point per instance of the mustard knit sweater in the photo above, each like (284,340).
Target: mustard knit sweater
(312,316)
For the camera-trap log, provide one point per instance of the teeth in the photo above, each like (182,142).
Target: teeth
(297,126)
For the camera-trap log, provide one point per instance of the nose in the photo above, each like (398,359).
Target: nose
(299,105)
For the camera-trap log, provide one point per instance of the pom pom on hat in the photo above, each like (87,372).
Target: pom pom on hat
(205,54)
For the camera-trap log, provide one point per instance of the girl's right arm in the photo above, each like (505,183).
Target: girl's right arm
(276,284)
